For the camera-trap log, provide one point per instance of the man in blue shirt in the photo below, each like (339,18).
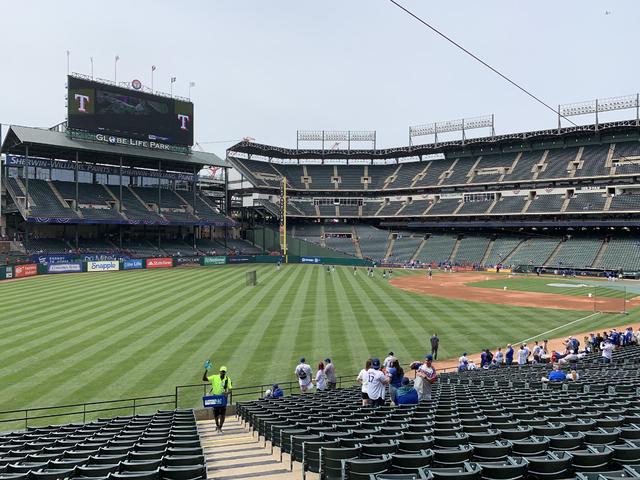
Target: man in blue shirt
(406,394)
(556,375)
(509,355)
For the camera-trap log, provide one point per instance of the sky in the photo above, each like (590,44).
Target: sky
(267,68)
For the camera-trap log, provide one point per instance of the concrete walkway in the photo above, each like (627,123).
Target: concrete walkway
(237,454)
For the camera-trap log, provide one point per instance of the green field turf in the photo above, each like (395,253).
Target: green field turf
(95,336)
(540,284)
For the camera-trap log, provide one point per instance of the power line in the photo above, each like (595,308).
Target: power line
(478,59)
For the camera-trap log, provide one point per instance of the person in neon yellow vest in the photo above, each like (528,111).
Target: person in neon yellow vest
(221,384)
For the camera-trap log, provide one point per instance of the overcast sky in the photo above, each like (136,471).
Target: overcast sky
(265,68)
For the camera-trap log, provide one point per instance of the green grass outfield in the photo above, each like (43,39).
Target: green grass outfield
(601,288)
(95,336)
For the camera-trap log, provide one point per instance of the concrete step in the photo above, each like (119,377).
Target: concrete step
(237,453)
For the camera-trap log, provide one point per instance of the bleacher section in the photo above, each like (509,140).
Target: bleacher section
(577,252)
(502,423)
(557,163)
(471,250)
(501,249)
(444,206)
(624,202)
(341,244)
(404,247)
(546,204)
(373,242)
(48,245)
(534,251)
(623,253)
(511,204)
(586,202)
(163,446)
(437,248)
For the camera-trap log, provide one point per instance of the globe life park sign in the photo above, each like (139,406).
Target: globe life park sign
(127,142)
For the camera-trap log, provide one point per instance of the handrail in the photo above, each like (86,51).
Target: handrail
(134,404)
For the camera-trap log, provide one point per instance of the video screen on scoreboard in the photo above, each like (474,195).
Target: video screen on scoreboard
(100,108)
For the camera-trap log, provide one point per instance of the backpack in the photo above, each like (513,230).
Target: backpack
(301,373)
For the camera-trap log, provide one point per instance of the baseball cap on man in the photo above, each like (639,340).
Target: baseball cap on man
(428,356)
(327,360)
(375,363)
(301,359)
(405,381)
(223,368)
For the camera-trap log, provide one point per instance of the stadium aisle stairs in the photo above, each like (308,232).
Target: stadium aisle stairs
(238,453)
(356,243)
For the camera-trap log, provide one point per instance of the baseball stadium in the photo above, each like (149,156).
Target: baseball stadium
(499,274)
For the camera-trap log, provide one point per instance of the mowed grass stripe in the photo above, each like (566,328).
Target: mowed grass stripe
(346,335)
(97,334)
(175,327)
(286,301)
(144,331)
(91,312)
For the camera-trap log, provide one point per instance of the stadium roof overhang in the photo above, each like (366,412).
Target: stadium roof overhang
(497,143)
(57,145)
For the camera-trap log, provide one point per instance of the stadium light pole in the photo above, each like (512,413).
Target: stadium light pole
(191,84)
(91,58)
(153,69)
(173,80)
(115,68)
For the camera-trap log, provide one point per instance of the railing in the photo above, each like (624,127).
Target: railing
(184,396)
(85,410)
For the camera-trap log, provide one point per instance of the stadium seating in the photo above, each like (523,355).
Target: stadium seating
(576,252)
(500,423)
(586,202)
(546,204)
(621,253)
(625,201)
(471,250)
(534,251)
(163,446)
(511,204)
(437,248)
(48,245)
(594,158)
(373,242)
(43,202)
(501,249)
(405,247)
(557,163)
(444,206)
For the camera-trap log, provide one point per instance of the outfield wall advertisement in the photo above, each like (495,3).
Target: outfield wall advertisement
(27,270)
(103,266)
(74,267)
(216,260)
(159,262)
(133,264)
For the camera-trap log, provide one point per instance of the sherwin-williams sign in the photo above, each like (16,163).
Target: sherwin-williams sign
(217,260)
(103,266)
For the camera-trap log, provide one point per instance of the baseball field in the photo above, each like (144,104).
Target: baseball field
(97,336)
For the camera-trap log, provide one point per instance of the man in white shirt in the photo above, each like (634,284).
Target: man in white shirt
(376,383)
(388,360)
(607,351)
(303,372)
(523,354)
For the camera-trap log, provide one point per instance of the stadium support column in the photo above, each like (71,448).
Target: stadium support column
(159,182)
(120,198)
(26,198)
(195,184)
(75,181)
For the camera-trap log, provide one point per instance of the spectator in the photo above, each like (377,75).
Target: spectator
(435,343)
(607,351)
(523,354)
(499,356)
(537,353)
(397,375)
(321,378)
(573,376)
(555,375)
(330,371)
(276,391)
(463,362)
(363,380)
(426,376)
(376,383)
(406,394)
(509,355)
(388,360)
(303,372)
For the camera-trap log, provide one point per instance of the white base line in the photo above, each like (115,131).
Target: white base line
(557,328)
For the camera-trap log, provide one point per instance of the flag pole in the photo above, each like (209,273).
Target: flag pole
(153,69)
(91,58)
(68,55)
(115,69)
